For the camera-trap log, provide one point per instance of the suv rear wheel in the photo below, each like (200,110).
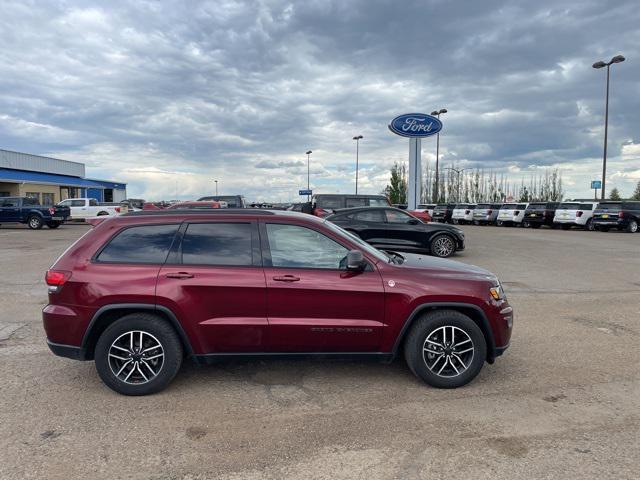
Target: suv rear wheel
(445,348)
(138,354)
(632,226)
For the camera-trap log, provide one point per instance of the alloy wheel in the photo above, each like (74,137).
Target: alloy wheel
(443,246)
(448,351)
(136,357)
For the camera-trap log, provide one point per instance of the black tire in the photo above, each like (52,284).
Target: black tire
(604,229)
(499,223)
(589,226)
(535,225)
(427,326)
(632,226)
(566,227)
(53,224)
(35,222)
(442,245)
(156,328)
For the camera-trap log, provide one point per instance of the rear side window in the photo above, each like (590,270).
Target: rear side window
(356,202)
(144,244)
(522,206)
(378,202)
(508,206)
(10,203)
(331,203)
(585,206)
(217,244)
(370,216)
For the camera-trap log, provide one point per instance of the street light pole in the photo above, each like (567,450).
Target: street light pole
(309,152)
(601,64)
(357,139)
(458,172)
(437,193)
(216,187)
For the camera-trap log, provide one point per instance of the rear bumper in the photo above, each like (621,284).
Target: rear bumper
(67,351)
(610,222)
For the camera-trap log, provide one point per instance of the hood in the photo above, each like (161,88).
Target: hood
(446,267)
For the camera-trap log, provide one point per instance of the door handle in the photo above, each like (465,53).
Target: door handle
(287,278)
(179,275)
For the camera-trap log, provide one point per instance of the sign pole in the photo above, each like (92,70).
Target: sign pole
(415,168)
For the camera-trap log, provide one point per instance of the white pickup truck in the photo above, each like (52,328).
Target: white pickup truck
(82,208)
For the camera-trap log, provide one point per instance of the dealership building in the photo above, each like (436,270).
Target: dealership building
(52,180)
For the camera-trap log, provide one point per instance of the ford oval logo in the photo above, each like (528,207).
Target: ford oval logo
(415,125)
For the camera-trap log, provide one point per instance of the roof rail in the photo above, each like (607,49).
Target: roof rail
(200,211)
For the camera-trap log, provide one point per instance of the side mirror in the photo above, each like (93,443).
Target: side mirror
(413,221)
(355,261)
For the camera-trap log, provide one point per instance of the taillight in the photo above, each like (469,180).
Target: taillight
(117,209)
(56,279)
(52,211)
(579,213)
(321,212)
(489,212)
(620,214)
(516,213)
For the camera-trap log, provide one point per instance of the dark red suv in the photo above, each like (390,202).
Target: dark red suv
(141,291)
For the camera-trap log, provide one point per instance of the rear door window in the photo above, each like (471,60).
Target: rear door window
(378,202)
(585,206)
(370,216)
(217,244)
(356,202)
(508,206)
(147,244)
(331,203)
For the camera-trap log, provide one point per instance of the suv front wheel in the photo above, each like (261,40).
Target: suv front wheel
(445,348)
(138,354)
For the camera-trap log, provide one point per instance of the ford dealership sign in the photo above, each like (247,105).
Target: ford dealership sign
(415,125)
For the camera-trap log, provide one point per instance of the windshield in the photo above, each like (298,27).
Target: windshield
(364,245)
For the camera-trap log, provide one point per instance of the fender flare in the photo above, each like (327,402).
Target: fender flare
(173,320)
(485,327)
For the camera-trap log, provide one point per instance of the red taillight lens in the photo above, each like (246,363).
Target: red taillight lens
(620,214)
(117,209)
(579,214)
(52,211)
(56,278)
(489,212)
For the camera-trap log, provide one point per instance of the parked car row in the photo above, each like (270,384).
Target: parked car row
(28,211)
(589,215)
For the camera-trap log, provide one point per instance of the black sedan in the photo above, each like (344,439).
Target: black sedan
(388,228)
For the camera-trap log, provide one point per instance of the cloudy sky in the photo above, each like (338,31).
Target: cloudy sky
(169,96)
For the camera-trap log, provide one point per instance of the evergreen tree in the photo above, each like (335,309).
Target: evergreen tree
(636,194)
(397,188)
(614,194)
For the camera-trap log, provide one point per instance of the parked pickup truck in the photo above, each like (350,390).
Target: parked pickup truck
(82,208)
(26,210)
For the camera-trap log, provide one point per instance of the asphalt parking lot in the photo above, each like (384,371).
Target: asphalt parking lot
(563,402)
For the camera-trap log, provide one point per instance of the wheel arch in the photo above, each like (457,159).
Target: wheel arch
(471,310)
(108,314)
